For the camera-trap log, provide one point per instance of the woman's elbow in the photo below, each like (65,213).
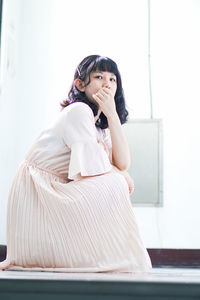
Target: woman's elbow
(124,166)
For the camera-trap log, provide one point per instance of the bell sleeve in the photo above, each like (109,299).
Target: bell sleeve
(88,157)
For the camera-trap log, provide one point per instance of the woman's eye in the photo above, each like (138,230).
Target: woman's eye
(100,77)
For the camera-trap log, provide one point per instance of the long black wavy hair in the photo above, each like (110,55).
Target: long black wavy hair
(97,63)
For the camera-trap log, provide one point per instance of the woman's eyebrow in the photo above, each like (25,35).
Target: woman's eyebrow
(103,72)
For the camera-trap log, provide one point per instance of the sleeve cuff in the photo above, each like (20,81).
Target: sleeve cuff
(88,159)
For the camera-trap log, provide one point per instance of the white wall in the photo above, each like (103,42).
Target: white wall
(43,43)
(176,93)
(8,104)
(27,86)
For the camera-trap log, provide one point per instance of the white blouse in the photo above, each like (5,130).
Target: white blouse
(73,145)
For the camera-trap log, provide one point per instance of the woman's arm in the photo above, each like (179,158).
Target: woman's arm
(121,154)
(120,148)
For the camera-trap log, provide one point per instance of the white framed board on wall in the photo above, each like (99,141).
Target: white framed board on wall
(145,138)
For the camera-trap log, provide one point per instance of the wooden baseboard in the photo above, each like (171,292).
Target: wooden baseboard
(159,257)
(3,249)
(175,257)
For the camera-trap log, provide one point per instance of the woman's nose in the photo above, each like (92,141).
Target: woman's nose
(106,84)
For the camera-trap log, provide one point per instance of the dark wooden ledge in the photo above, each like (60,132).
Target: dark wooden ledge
(175,257)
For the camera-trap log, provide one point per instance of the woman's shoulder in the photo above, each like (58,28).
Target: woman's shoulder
(77,108)
(77,112)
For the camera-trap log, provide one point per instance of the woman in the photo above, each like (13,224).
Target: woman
(69,207)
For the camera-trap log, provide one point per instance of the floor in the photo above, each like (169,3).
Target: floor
(175,275)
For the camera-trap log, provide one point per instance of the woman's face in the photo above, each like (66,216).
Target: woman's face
(98,80)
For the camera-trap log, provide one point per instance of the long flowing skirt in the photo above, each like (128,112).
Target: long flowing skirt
(79,226)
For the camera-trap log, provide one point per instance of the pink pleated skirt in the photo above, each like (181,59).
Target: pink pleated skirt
(78,226)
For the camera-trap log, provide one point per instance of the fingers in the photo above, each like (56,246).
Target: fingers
(103,92)
(131,190)
(106,90)
(98,96)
